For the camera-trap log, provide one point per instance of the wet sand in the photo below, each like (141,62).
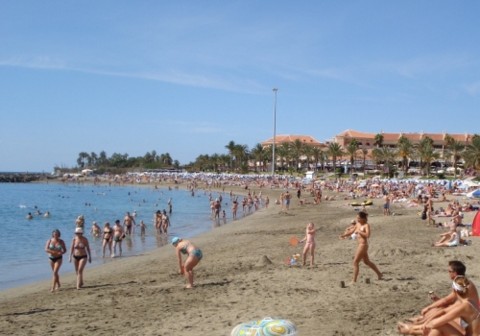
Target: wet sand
(243,277)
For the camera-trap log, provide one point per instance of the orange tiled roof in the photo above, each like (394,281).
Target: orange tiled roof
(306,139)
(414,137)
(356,134)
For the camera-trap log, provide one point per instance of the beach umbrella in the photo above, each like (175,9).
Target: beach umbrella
(474,194)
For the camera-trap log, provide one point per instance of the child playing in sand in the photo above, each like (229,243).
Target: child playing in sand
(309,240)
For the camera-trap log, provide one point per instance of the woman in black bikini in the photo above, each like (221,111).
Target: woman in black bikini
(55,247)
(107,238)
(80,251)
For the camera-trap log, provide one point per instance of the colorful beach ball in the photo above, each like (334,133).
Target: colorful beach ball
(265,327)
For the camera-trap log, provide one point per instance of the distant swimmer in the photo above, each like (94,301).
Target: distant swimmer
(29,216)
(46,214)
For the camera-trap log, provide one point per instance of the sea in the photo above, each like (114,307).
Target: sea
(23,259)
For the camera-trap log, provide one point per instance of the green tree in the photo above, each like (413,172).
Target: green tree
(102,159)
(427,154)
(472,153)
(241,154)
(334,151)
(405,150)
(258,155)
(364,158)
(119,160)
(83,159)
(231,151)
(386,156)
(316,152)
(297,150)
(378,140)
(285,154)
(454,150)
(352,149)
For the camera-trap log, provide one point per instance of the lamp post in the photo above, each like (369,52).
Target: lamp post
(274,128)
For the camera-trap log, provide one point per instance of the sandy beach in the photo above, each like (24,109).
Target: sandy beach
(243,277)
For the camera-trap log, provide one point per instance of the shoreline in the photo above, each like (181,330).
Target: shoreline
(243,277)
(155,242)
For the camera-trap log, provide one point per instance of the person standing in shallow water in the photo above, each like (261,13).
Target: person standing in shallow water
(362,232)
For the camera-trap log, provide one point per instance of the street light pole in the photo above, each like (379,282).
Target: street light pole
(274,129)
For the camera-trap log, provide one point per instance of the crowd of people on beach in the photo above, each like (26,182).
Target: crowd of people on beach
(80,252)
(456,314)
(112,236)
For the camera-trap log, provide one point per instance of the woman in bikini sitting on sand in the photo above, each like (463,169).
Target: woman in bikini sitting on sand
(362,232)
(309,244)
(194,255)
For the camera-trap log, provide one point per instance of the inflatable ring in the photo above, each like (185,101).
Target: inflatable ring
(265,327)
(279,328)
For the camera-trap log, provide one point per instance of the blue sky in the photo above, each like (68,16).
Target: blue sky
(187,77)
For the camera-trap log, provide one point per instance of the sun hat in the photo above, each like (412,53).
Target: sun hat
(176,240)
(78,230)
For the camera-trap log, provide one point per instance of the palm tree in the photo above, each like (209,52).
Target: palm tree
(405,151)
(165,159)
(284,153)
(454,150)
(308,152)
(378,140)
(93,159)
(297,148)
(352,149)
(427,154)
(231,151)
(334,150)
(387,156)
(241,155)
(83,159)
(364,158)
(316,152)
(472,153)
(102,159)
(258,154)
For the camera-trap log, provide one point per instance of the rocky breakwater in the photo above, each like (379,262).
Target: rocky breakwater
(22,177)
